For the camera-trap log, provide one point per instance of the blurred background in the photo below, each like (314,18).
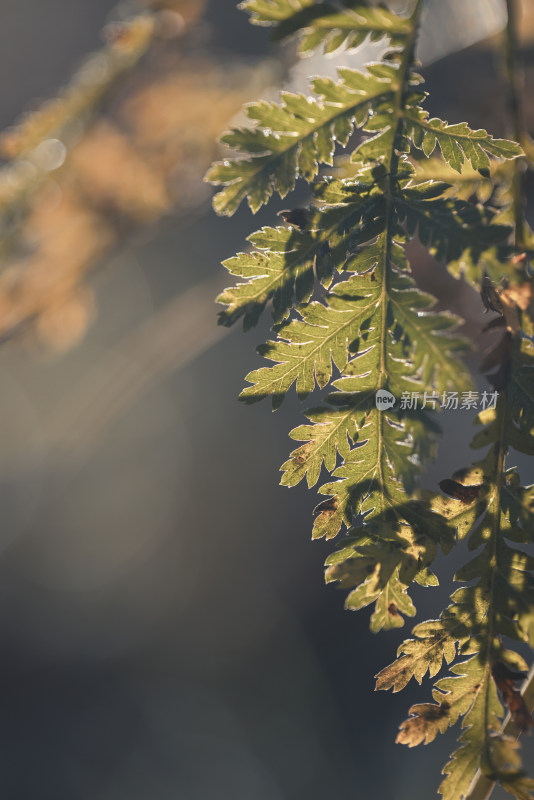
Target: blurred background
(165,631)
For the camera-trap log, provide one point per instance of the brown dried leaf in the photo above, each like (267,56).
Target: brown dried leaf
(466,494)
(424,724)
(298,217)
(505,678)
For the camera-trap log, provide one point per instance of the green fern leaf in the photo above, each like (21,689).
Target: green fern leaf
(500,603)
(451,229)
(435,642)
(348,316)
(490,502)
(457,142)
(286,261)
(325,23)
(332,433)
(485,254)
(292,139)
(382,560)
(308,349)
(356,318)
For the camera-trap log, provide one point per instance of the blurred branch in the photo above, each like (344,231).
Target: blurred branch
(34,146)
(80,182)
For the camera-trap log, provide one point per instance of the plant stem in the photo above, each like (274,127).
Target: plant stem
(515,108)
(392,165)
(482,787)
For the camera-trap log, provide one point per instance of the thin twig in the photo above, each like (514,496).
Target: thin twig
(515,108)
(481,786)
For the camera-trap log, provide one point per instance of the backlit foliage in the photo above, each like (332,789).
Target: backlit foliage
(349,318)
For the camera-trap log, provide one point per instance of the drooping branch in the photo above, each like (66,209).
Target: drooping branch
(482,786)
(343,299)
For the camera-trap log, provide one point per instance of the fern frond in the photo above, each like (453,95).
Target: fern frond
(434,642)
(488,502)
(378,563)
(374,327)
(323,23)
(291,139)
(487,253)
(286,261)
(332,432)
(472,239)
(451,229)
(349,317)
(456,142)
(471,694)
(497,511)
(467,183)
(464,622)
(308,348)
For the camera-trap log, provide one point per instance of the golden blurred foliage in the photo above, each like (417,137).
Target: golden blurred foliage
(127,141)
(526,27)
